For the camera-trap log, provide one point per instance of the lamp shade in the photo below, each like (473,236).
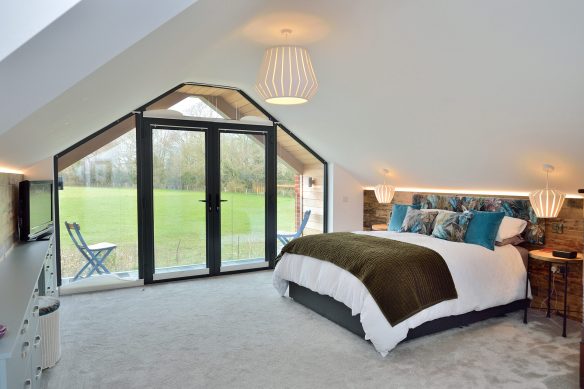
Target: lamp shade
(547,202)
(384,193)
(286,76)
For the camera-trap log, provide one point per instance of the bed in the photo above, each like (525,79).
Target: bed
(489,283)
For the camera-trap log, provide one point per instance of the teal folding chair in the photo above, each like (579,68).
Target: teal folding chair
(287,237)
(94,254)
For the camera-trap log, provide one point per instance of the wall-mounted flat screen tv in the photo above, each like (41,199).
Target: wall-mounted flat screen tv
(35,218)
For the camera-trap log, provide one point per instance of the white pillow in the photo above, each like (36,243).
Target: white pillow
(436,210)
(509,228)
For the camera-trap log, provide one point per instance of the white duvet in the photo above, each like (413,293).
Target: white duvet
(483,279)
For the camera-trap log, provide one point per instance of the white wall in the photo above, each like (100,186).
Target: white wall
(345,200)
(42,170)
(21,20)
(454,95)
(71,48)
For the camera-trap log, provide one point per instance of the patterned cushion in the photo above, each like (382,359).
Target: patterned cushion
(418,221)
(518,208)
(451,226)
(398,213)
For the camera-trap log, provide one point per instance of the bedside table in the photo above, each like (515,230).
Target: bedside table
(546,256)
(379,227)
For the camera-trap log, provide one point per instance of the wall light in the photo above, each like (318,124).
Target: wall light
(10,171)
(286,76)
(462,191)
(581,191)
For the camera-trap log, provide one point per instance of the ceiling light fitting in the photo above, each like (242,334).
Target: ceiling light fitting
(384,193)
(286,75)
(547,202)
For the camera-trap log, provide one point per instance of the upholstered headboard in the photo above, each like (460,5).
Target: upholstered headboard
(518,208)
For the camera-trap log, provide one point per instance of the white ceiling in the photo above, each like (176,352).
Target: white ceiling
(21,20)
(462,94)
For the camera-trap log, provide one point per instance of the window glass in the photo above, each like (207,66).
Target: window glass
(209,102)
(300,185)
(99,196)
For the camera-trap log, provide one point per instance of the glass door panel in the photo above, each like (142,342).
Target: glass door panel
(243,200)
(180,217)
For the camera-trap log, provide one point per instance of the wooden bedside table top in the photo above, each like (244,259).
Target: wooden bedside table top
(546,255)
(379,227)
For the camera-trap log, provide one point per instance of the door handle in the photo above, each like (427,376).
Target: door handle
(208,203)
(219,201)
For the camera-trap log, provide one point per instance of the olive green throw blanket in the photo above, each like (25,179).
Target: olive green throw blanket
(403,278)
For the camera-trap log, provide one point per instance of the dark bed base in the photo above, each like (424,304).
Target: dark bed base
(341,314)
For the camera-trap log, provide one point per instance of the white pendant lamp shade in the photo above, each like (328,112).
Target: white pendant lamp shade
(384,193)
(286,76)
(547,202)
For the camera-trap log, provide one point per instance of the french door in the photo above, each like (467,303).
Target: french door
(208,197)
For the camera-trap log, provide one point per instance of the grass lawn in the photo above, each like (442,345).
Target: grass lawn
(110,215)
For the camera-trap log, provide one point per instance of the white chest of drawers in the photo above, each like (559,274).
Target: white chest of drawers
(48,278)
(20,353)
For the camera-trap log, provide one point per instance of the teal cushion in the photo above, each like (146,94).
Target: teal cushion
(483,227)
(398,214)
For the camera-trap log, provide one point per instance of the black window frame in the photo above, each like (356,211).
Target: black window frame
(144,197)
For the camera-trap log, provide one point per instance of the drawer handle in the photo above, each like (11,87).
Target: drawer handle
(36,290)
(39,372)
(24,327)
(27,383)
(25,348)
(35,310)
(37,340)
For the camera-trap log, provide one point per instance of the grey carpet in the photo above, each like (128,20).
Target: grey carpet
(236,332)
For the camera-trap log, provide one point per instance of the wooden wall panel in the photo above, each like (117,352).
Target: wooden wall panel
(572,219)
(571,238)
(539,282)
(375,213)
(312,198)
(8,211)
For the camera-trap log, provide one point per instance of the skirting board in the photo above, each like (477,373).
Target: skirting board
(81,287)
(341,314)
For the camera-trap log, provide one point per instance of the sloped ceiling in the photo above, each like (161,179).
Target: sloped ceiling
(460,94)
(21,20)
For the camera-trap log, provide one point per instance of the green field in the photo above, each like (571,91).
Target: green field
(110,215)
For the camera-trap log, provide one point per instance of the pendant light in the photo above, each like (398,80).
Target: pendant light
(384,193)
(286,76)
(547,202)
